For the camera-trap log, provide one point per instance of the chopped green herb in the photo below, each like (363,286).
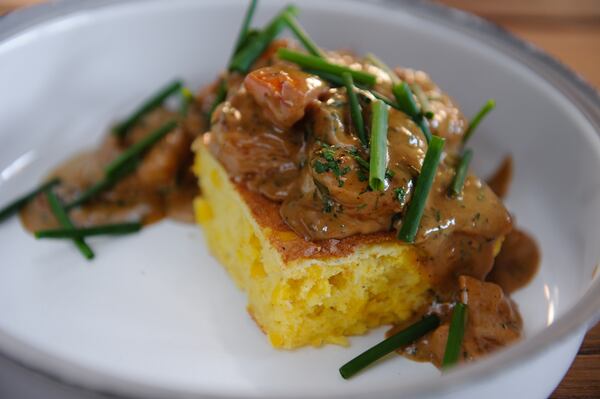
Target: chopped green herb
(187,98)
(355,110)
(423,100)
(331,164)
(137,149)
(148,106)
(460,175)
(61,215)
(402,338)
(407,104)
(105,229)
(400,194)
(455,335)
(379,157)
(103,184)
(487,107)
(301,35)
(319,64)
(245,28)
(438,215)
(373,59)
(328,204)
(246,56)
(412,218)
(17,204)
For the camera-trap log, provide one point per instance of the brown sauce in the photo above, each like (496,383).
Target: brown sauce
(289,136)
(517,263)
(493,321)
(161,186)
(500,180)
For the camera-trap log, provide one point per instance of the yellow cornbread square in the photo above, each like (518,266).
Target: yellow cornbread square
(299,292)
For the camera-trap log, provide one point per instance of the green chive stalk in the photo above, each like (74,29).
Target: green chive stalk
(247,55)
(355,110)
(104,229)
(398,340)
(460,175)
(319,64)
(20,202)
(148,106)
(487,107)
(378,145)
(416,206)
(245,28)
(302,36)
(455,335)
(61,215)
(137,149)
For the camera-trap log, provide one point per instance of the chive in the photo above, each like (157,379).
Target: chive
(152,103)
(353,152)
(412,218)
(455,335)
(335,80)
(306,41)
(319,64)
(138,148)
(244,30)
(383,98)
(407,104)
(186,99)
(61,215)
(424,128)
(379,157)
(104,229)
(250,36)
(220,96)
(373,59)
(355,111)
(103,184)
(461,173)
(246,56)
(425,106)
(487,107)
(17,204)
(402,338)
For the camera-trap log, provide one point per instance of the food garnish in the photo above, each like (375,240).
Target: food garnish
(416,206)
(17,204)
(130,155)
(99,230)
(406,103)
(355,110)
(301,35)
(390,344)
(461,172)
(316,63)
(60,213)
(378,145)
(245,57)
(121,129)
(485,109)
(338,181)
(456,333)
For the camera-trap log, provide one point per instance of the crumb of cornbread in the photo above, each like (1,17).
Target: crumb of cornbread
(300,292)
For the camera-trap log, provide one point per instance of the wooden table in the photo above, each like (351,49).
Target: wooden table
(570,31)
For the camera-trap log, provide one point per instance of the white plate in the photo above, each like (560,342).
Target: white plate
(154,315)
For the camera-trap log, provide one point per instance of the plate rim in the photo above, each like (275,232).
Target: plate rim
(581,94)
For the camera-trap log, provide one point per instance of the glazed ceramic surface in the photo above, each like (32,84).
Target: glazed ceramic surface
(155,315)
